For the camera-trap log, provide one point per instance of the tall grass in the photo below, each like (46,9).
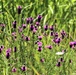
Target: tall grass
(61,14)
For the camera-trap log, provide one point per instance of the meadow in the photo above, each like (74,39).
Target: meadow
(37,37)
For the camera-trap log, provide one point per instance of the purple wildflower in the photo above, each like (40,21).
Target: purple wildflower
(56,35)
(70,61)
(2,25)
(15,49)
(31,20)
(20,29)
(2,47)
(14,69)
(40,37)
(39,43)
(42,60)
(57,40)
(34,31)
(58,64)
(13,33)
(35,27)
(39,18)
(7,55)
(49,47)
(74,43)
(24,26)
(27,20)
(14,24)
(37,23)
(26,38)
(19,9)
(46,27)
(8,51)
(63,34)
(0,50)
(71,44)
(23,68)
(52,28)
(61,60)
(39,49)
(22,36)
(31,27)
(52,33)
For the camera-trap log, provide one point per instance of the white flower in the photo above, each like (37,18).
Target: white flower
(59,53)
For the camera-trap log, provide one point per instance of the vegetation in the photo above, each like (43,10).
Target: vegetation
(37,37)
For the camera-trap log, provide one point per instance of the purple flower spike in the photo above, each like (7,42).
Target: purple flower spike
(14,24)
(52,28)
(36,28)
(56,35)
(13,33)
(42,60)
(8,50)
(7,55)
(37,23)
(63,34)
(31,27)
(57,40)
(46,27)
(31,20)
(0,50)
(39,49)
(39,18)
(70,61)
(2,47)
(71,44)
(14,69)
(74,43)
(20,29)
(23,68)
(22,36)
(52,33)
(58,64)
(61,60)
(2,25)
(27,20)
(24,26)
(40,37)
(15,49)
(19,9)
(27,38)
(49,47)
(34,31)
(39,44)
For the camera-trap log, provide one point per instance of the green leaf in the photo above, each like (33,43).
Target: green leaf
(45,19)
(51,9)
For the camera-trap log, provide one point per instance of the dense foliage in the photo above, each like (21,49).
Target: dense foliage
(37,37)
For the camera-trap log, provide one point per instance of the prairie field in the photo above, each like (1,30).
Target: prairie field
(37,37)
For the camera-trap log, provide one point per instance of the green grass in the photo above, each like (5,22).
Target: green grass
(54,12)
